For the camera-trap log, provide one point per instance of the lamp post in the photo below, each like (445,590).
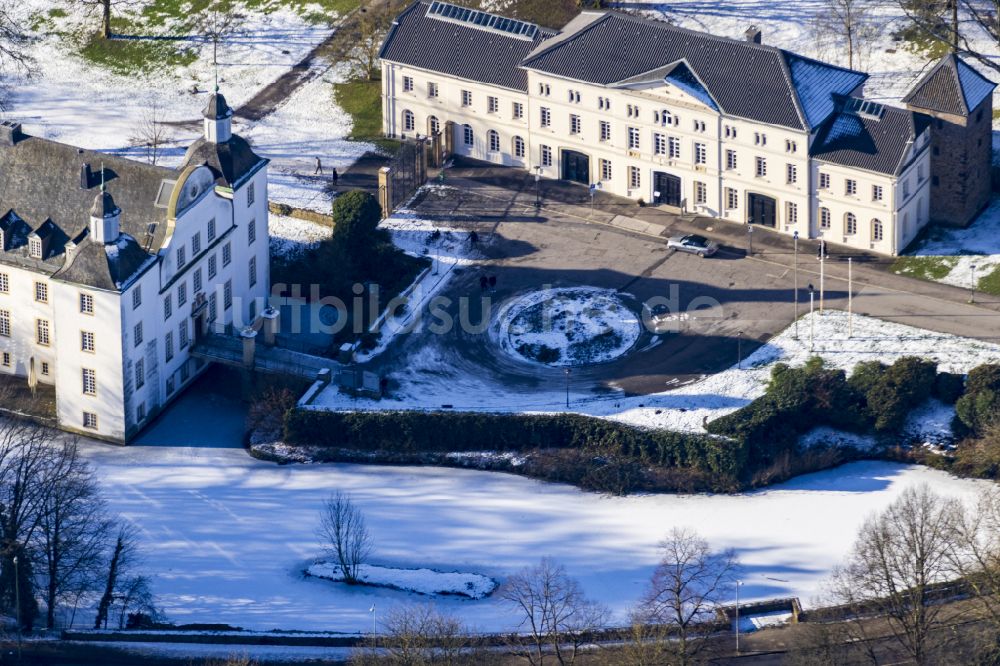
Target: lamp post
(822,273)
(972,284)
(812,319)
(739,350)
(17,602)
(795,272)
(374,630)
(567,371)
(538,187)
(750,238)
(738,584)
(850,297)
(593,191)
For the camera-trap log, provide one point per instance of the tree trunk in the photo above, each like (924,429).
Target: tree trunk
(109,591)
(106,19)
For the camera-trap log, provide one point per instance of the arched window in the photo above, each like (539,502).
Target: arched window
(877,230)
(850,224)
(468,138)
(518,147)
(494,140)
(409,123)
(433,126)
(824,218)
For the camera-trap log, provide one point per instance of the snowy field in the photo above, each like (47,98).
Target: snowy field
(74,101)
(428,383)
(226,537)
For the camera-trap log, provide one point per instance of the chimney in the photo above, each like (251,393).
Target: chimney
(85,176)
(10,132)
(753,34)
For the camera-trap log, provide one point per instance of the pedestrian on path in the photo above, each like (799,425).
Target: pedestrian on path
(334,176)
(319,167)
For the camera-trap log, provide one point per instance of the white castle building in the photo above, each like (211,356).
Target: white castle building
(111,269)
(732,129)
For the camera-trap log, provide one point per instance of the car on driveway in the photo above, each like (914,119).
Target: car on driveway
(694,244)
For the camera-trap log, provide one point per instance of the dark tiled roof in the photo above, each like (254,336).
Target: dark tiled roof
(747,80)
(951,87)
(463,51)
(230,161)
(105,265)
(217,108)
(870,142)
(40,182)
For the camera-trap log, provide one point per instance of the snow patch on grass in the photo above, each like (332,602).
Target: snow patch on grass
(291,236)
(421,581)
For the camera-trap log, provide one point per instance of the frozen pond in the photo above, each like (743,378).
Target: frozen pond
(226,537)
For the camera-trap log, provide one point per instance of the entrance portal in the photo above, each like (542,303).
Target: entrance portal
(576,167)
(666,189)
(761,210)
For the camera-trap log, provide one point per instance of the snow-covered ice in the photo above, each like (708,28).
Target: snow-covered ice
(421,581)
(226,537)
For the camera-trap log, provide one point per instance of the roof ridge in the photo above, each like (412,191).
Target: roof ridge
(555,43)
(796,101)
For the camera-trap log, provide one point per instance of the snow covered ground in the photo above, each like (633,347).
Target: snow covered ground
(75,101)
(977,245)
(226,537)
(420,581)
(426,384)
(291,236)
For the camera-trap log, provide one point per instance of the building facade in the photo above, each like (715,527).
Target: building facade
(111,269)
(732,129)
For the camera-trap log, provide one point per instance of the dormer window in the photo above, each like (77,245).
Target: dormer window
(35,247)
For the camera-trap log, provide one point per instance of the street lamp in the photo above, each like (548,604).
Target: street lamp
(739,350)
(17,602)
(822,272)
(812,318)
(795,271)
(972,285)
(538,187)
(593,191)
(567,371)
(750,237)
(738,584)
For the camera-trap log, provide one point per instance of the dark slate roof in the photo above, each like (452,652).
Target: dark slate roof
(40,182)
(104,205)
(462,50)
(869,141)
(105,265)
(951,87)
(747,80)
(217,108)
(230,161)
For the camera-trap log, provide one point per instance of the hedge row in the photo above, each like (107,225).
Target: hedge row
(427,432)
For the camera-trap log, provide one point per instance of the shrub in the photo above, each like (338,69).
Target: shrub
(979,406)
(901,387)
(980,456)
(948,387)
(356,215)
(404,432)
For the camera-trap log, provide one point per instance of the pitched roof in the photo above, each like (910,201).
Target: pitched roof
(40,185)
(877,138)
(951,86)
(106,266)
(746,79)
(457,48)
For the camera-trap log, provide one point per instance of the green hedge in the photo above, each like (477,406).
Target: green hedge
(426,432)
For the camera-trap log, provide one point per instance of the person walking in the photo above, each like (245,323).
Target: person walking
(319,166)
(334,176)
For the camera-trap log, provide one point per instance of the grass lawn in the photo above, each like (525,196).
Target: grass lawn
(925,268)
(362,100)
(990,284)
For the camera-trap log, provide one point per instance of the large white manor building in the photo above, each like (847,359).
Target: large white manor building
(732,129)
(111,269)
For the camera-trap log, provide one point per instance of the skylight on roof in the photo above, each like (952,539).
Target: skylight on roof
(483,20)
(865,107)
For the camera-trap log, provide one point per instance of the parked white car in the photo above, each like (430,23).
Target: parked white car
(694,244)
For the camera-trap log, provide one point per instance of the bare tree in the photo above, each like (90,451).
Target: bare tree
(124,551)
(72,533)
(851,25)
(556,615)
(958,24)
(15,58)
(891,572)
(687,586)
(420,634)
(151,134)
(104,7)
(345,535)
(217,22)
(367,30)
(135,595)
